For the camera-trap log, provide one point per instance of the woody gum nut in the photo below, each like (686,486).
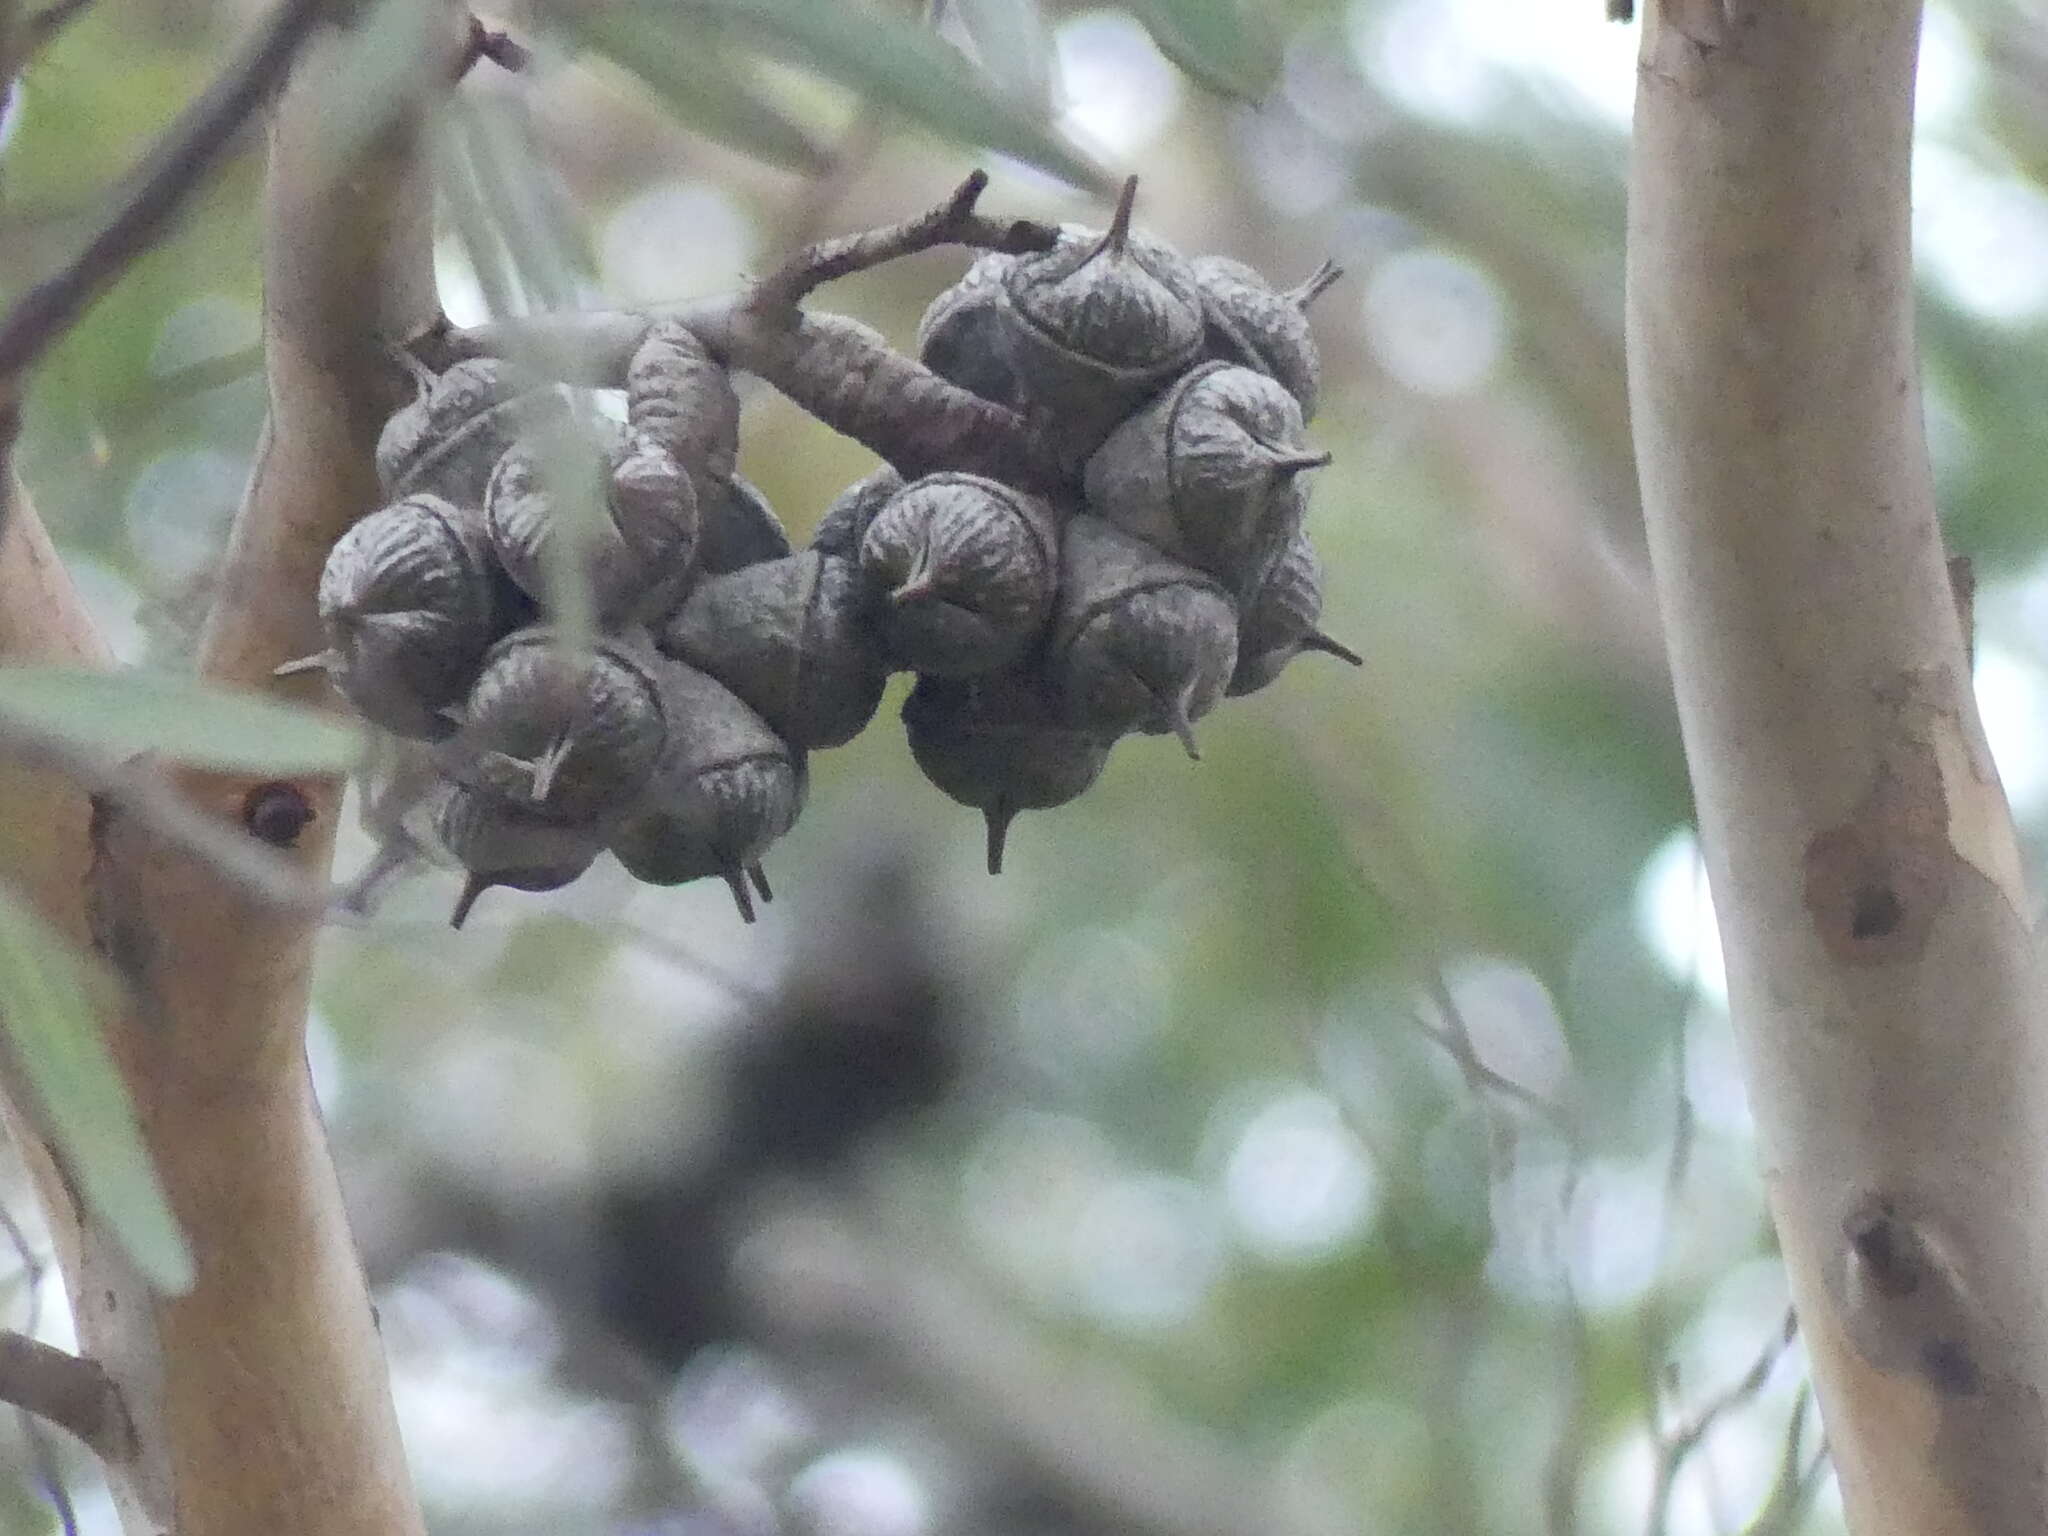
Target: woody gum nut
(1253,324)
(737,528)
(1093,327)
(574,737)
(1140,640)
(964,570)
(793,639)
(501,844)
(1210,471)
(998,744)
(845,523)
(449,440)
(1280,620)
(682,397)
(410,601)
(639,551)
(725,789)
(961,336)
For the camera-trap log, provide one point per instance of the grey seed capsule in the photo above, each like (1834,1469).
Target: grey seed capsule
(1257,326)
(961,337)
(965,569)
(410,600)
(572,737)
(1280,620)
(1095,328)
(738,528)
(725,788)
(500,843)
(999,744)
(845,522)
(1210,471)
(1140,641)
(639,555)
(682,397)
(793,638)
(449,440)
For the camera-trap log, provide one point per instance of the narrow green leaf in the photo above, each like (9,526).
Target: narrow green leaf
(703,86)
(894,63)
(1010,39)
(1216,43)
(52,1002)
(123,713)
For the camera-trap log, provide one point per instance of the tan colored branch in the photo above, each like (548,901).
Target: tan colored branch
(71,1393)
(1882,971)
(260,1401)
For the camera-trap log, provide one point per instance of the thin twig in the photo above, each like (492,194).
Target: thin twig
(1674,1449)
(953,222)
(73,1393)
(175,167)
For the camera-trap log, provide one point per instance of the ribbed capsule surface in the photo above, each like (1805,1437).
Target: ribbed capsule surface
(1280,620)
(449,440)
(1253,324)
(639,551)
(726,787)
(737,528)
(1096,324)
(1001,745)
(845,522)
(793,638)
(964,570)
(570,736)
(1210,471)
(962,335)
(681,397)
(410,601)
(500,843)
(1140,641)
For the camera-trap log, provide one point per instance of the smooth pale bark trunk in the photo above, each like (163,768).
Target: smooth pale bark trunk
(260,1400)
(1881,963)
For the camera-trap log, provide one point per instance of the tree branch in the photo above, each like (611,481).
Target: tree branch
(1882,971)
(74,1394)
(838,370)
(175,167)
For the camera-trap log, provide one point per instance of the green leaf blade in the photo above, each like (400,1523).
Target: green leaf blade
(899,65)
(51,1011)
(121,714)
(1214,42)
(703,88)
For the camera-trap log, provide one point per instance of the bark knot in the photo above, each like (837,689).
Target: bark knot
(1875,882)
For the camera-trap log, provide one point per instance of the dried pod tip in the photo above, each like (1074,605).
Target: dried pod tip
(1314,285)
(920,583)
(736,882)
(759,876)
(1117,238)
(319,661)
(999,816)
(1293,462)
(472,888)
(1316,640)
(1173,709)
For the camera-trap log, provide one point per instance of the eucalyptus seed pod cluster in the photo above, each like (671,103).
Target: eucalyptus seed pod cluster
(1183,571)
(1155,563)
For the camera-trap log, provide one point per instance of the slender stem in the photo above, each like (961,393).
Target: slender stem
(173,170)
(70,1392)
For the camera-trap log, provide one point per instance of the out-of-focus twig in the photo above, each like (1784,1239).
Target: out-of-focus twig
(1676,1446)
(174,168)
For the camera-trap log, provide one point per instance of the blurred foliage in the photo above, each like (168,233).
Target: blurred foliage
(1348,1123)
